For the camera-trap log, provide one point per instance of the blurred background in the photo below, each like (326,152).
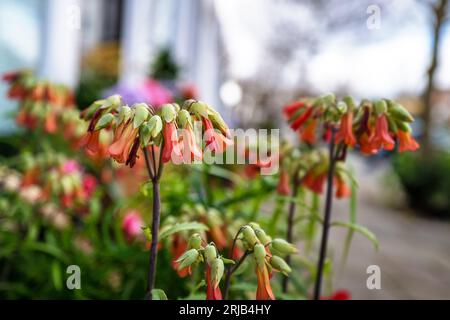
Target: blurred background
(248,58)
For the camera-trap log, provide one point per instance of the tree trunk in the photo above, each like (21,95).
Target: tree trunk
(439,15)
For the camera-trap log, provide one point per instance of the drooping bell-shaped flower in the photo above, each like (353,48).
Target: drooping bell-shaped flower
(297,122)
(171,142)
(308,133)
(345,133)
(50,124)
(342,189)
(315,180)
(179,246)
(91,142)
(212,285)
(124,140)
(213,273)
(292,108)
(406,141)
(283,187)
(264,289)
(381,138)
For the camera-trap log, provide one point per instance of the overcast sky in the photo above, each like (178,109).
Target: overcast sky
(383,62)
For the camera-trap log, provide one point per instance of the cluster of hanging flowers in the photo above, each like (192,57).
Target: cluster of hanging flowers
(41,102)
(167,130)
(267,257)
(311,169)
(372,126)
(62,181)
(196,253)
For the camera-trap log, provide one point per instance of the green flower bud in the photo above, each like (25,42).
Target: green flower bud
(176,106)
(188,258)
(141,114)
(217,268)
(217,121)
(380,107)
(144,135)
(155,125)
(399,112)
(254,225)
(199,108)
(403,126)
(184,118)
(283,247)
(249,236)
(187,104)
(259,253)
(262,236)
(342,107)
(392,125)
(350,103)
(329,99)
(114,101)
(124,114)
(210,253)
(104,121)
(279,264)
(168,112)
(195,241)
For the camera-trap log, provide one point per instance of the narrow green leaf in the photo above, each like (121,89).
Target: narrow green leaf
(358,228)
(185,226)
(158,294)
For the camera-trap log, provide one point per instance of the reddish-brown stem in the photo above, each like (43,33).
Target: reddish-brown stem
(327,217)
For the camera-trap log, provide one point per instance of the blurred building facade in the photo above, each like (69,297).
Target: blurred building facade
(52,36)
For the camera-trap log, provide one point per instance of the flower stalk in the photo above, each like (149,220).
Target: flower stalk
(327,216)
(154,171)
(290,226)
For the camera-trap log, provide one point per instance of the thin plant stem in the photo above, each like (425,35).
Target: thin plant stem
(156,215)
(229,268)
(327,217)
(290,226)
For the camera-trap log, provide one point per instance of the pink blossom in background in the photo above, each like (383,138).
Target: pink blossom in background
(155,93)
(131,225)
(70,166)
(89,184)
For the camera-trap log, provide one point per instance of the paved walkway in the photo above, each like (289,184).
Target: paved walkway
(414,253)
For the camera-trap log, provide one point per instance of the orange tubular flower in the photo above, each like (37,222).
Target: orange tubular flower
(406,141)
(212,292)
(380,138)
(298,122)
(308,133)
(215,140)
(345,132)
(217,235)
(264,289)
(190,149)
(292,108)
(342,190)
(50,124)
(124,141)
(179,246)
(91,141)
(171,143)
(283,184)
(315,181)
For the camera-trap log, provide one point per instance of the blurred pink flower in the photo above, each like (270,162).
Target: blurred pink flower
(70,166)
(89,184)
(156,94)
(131,225)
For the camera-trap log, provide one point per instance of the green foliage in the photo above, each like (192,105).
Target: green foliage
(426,181)
(164,67)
